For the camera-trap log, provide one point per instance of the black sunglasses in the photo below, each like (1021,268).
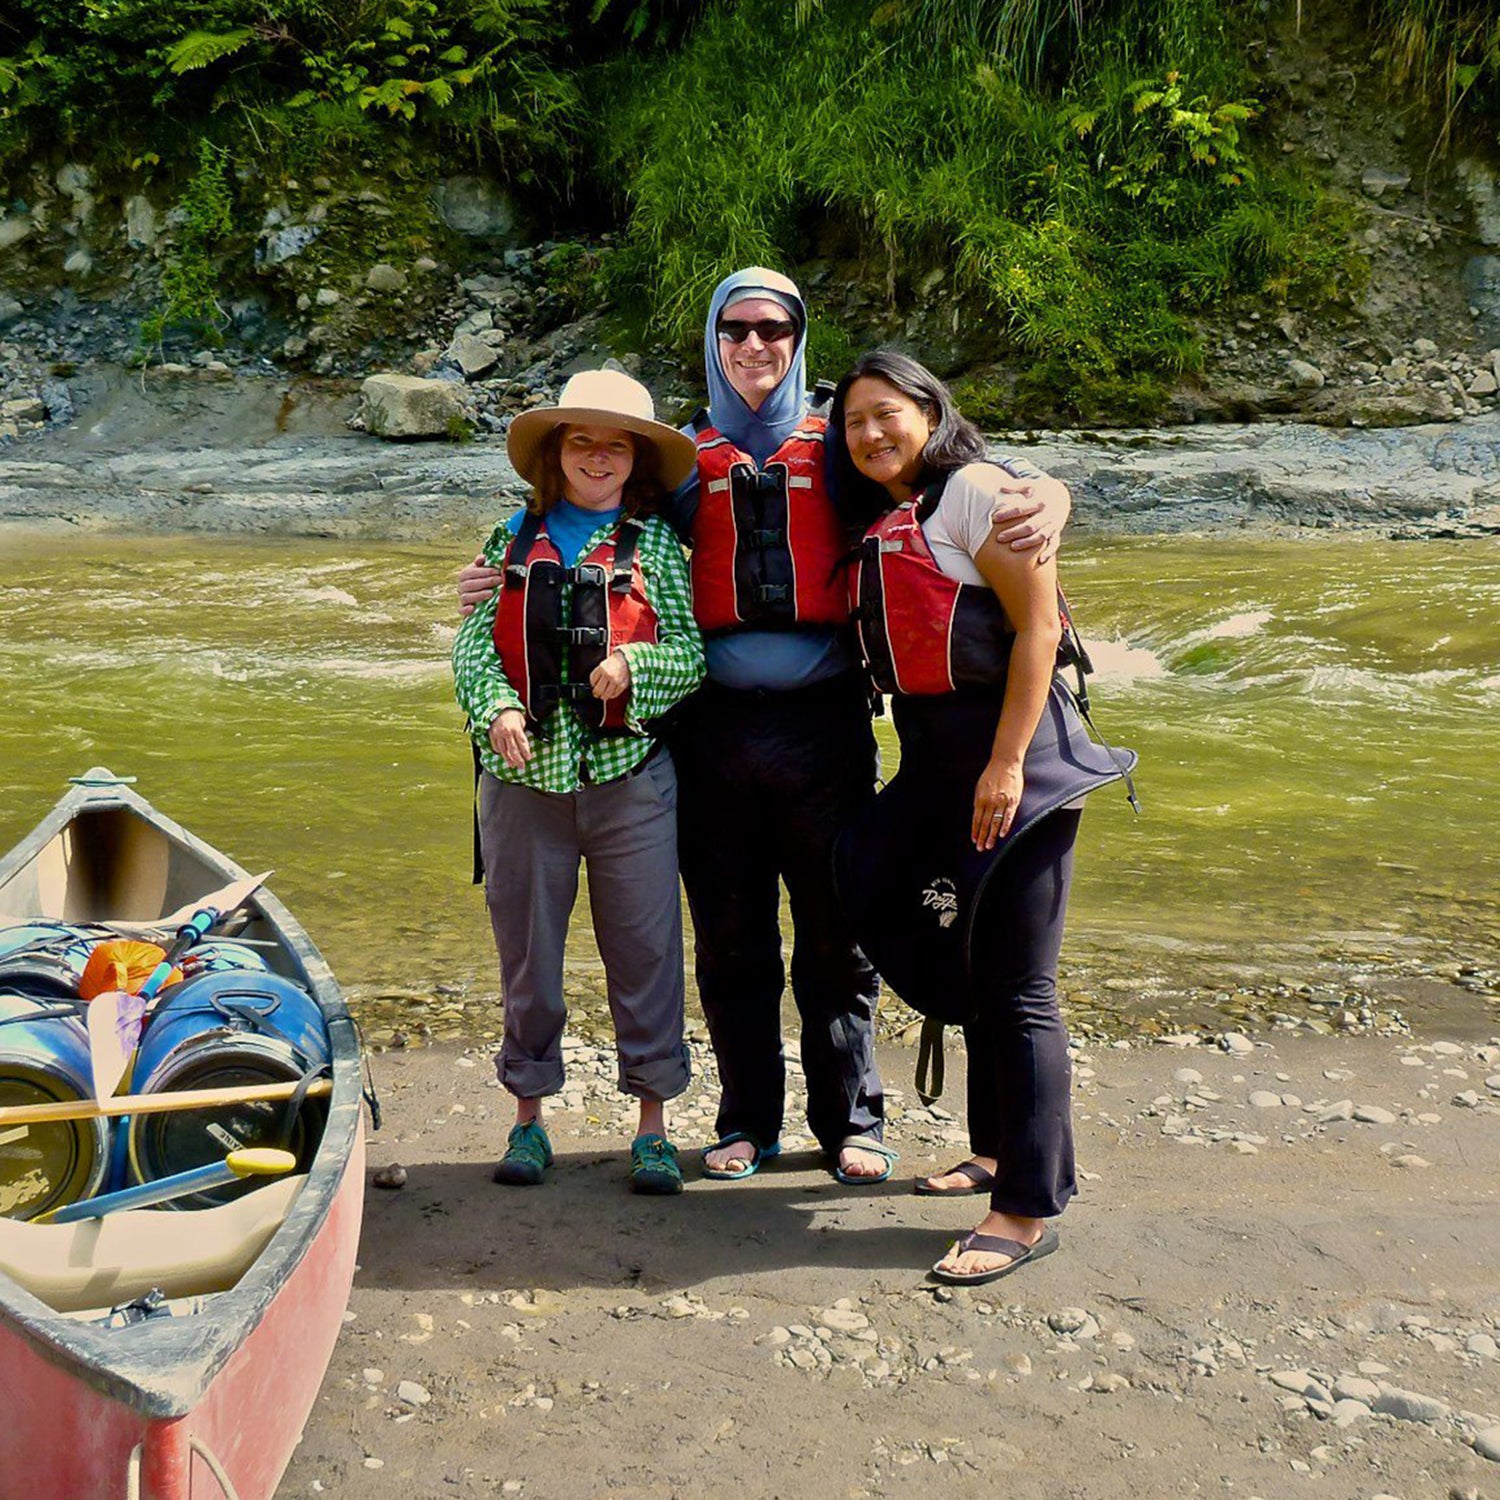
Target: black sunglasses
(767,330)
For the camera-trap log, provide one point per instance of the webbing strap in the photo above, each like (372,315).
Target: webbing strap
(930,498)
(929,1078)
(520,549)
(625,544)
(478,871)
(297,1098)
(1072,653)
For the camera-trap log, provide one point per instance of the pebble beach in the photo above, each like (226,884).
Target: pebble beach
(1279,1279)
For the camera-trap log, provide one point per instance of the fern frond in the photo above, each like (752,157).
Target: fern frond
(199,49)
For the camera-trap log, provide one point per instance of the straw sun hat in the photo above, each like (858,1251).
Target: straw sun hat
(601,398)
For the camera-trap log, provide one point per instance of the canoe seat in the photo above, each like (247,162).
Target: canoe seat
(115,1259)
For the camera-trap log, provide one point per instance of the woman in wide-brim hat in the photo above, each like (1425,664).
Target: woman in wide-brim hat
(602,398)
(564,673)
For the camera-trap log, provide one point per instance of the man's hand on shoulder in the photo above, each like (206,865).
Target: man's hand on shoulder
(1029,514)
(476,582)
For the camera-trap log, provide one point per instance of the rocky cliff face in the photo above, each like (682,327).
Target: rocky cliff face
(422,272)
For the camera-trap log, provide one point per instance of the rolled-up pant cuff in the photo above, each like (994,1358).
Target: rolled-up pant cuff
(656,1077)
(529,1078)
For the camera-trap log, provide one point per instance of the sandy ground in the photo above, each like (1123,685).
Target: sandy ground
(1227,1264)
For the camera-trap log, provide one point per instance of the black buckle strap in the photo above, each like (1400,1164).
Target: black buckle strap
(772,593)
(579,635)
(520,549)
(625,543)
(769,537)
(929,1079)
(757,483)
(551,693)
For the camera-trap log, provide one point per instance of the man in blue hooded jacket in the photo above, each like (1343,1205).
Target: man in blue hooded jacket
(775,753)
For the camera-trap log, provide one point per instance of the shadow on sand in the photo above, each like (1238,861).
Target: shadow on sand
(451,1226)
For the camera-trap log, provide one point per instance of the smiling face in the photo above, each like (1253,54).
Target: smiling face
(755,368)
(886,432)
(596,462)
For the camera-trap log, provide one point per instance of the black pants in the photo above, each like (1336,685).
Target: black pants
(765,782)
(1019,1075)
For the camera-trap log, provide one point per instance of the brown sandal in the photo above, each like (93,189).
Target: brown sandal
(994,1244)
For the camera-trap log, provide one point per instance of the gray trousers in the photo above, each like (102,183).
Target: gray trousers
(532,843)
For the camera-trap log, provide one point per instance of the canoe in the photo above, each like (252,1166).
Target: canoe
(211,1400)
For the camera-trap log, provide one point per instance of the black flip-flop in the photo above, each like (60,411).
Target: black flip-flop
(980,1181)
(994,1244)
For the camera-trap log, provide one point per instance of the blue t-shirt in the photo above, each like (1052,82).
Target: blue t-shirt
(570,526)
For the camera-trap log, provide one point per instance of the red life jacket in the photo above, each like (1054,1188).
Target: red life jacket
(554,625)
(767,545)
(921,631)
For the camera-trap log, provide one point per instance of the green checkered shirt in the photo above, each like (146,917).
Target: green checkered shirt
(569,753)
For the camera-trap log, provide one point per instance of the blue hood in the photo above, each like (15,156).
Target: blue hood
(758,433)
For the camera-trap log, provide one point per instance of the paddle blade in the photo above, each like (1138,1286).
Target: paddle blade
(115,1020)
(224,900)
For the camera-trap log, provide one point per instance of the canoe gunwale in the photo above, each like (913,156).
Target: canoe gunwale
(161,1368)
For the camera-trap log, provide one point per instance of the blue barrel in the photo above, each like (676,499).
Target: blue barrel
(42,933)
(45,959)
(232,1029)
(44,1059)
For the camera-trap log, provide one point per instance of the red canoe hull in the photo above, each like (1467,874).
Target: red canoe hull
(65,1438)
(150,1410)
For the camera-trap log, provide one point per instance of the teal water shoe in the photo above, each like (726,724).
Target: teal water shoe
(528,1154)
(653,1166)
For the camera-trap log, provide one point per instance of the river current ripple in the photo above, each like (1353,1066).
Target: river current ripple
(1315,718)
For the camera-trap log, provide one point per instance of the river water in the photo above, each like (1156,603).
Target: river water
(1316,721)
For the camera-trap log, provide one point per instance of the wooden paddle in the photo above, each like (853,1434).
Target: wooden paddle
(154,1104)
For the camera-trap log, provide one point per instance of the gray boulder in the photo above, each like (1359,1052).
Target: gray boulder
(140,223)
(404,406)
(472,354)
(385,278)
(1378,182)
(1305,376)
(284,244)
(475,207)
(14,228)
(1481,284)
(1482,188)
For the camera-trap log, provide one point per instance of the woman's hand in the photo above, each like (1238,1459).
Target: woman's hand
(996,798)
(1034,521)
(611,678)
(477,581)
(508,738)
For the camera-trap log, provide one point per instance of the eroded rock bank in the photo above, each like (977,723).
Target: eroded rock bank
(219,453)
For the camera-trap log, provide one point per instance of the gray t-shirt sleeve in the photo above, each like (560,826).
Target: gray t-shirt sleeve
(961,524)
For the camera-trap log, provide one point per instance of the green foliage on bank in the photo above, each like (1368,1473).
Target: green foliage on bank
(1090,174)
(1094,215)
(1445,54)
(298,81)
(189,286)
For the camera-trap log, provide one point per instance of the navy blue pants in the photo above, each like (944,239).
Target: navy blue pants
(1020,1078)
(765,782)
